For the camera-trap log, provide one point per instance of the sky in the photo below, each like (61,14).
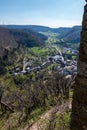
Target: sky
(52,13)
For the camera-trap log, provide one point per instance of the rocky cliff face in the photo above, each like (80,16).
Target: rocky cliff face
(79,110)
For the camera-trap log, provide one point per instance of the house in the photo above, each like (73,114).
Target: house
(27,68)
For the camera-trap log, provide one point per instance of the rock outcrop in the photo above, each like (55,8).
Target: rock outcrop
(79,109)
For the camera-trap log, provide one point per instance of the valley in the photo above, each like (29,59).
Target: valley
(37,72)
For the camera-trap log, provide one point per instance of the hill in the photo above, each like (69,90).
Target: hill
(13,38)
(72,35)
(7,41)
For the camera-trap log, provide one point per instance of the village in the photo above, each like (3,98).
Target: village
(65,66)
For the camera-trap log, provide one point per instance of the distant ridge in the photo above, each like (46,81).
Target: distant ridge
(69,34)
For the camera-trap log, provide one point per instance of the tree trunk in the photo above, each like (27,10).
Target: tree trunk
(79,106)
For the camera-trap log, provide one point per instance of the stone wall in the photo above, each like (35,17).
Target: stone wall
(79,109)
